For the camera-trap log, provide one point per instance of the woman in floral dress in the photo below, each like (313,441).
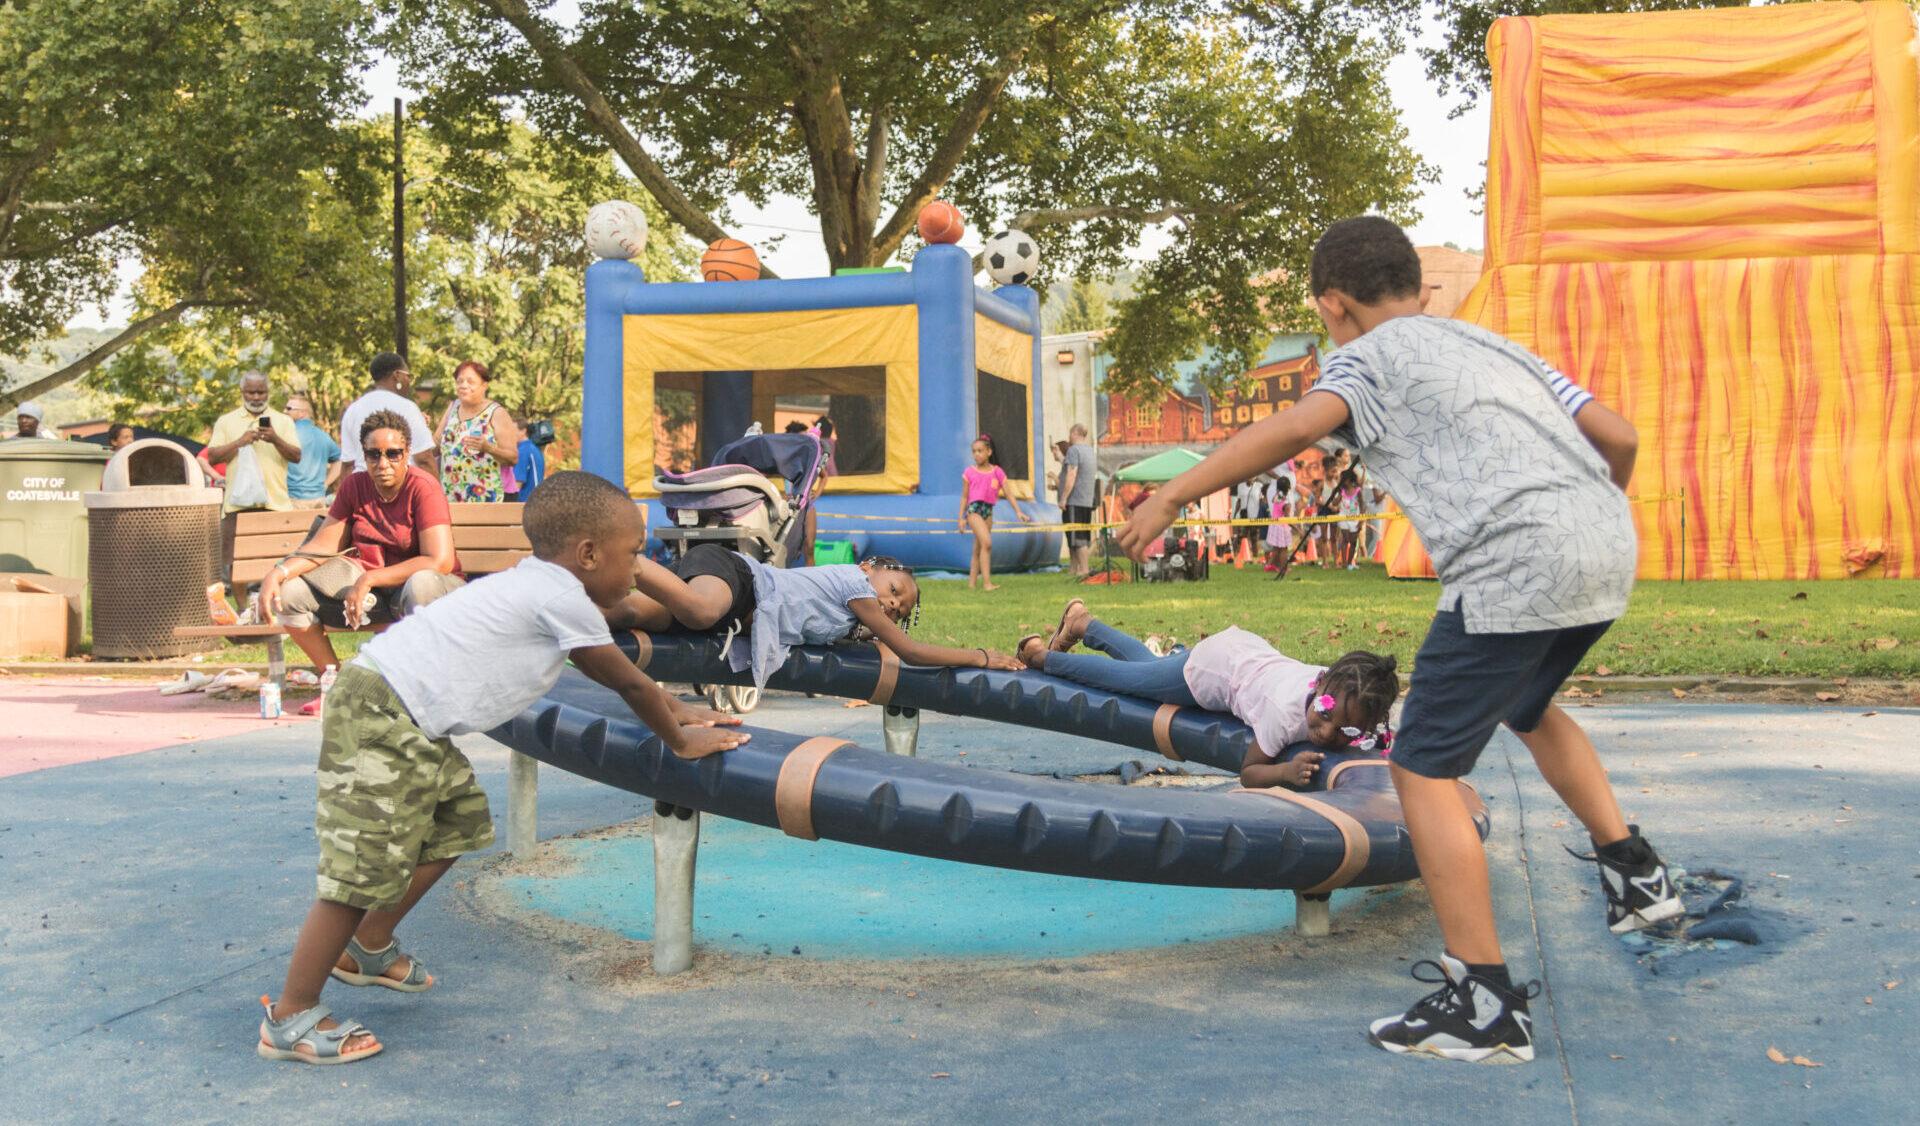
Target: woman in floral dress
(478,440)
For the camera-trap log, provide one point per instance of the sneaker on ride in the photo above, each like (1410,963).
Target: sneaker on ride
(1639,893)
(1469,1018)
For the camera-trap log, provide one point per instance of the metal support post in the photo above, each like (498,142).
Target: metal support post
(900,727)
(676,844)
(523,803)
(1312,914)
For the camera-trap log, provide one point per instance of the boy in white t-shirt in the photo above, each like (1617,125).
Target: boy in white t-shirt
(398,803)
(1337,707)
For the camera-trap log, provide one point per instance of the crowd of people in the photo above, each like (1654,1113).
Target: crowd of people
(1336,488)
(278,460)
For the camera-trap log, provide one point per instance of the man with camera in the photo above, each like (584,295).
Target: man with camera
(256,443)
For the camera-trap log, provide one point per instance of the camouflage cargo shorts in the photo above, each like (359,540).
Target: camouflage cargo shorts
(390,797)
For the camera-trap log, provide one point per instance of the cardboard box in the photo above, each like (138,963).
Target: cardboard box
(73,589)
(32,625)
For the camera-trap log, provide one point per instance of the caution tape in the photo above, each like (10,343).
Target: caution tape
(1025,529)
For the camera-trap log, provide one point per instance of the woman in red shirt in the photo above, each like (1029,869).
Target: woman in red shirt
(385,550)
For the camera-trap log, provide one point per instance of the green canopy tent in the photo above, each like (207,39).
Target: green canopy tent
(1160,468)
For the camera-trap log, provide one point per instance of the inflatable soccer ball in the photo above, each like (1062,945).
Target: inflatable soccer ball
(616,229)
(1012,258)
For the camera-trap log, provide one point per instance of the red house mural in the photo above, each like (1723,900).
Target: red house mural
(1186,420)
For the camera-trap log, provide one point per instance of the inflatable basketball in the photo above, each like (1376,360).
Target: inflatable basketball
(729,259)
(940,221)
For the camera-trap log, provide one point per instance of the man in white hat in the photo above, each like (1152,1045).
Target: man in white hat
(31,415)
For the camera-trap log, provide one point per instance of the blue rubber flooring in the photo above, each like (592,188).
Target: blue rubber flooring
(149,899)
(759,891)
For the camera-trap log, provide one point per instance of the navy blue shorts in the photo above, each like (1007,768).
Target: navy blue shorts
(1467,684)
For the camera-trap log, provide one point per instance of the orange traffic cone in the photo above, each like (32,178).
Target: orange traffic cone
(1244,556)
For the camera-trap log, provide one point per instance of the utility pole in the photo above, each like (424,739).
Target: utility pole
(399,235)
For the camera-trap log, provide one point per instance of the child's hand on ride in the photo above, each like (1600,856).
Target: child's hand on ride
(699,742)
(688,716)
(1146,525)
(999,660)
(1299,771)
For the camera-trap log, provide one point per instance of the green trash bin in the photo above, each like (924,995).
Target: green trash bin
(832,551)
(43,522)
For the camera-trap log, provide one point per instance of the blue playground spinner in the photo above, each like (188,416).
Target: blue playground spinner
(1348,831)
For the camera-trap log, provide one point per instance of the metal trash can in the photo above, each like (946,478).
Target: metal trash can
(153,546)
(43,524)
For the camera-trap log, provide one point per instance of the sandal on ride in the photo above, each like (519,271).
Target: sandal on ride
(281,1039)
(373,967)
(1020,651)
(1053,643)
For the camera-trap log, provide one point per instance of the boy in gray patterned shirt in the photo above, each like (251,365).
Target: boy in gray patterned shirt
(1513,477)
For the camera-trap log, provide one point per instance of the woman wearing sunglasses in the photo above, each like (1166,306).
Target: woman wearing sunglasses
(385,550)
(1342,706)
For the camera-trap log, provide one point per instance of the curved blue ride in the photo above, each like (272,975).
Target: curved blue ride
(1348,831)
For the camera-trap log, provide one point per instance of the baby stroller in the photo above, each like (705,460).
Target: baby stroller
(734,502)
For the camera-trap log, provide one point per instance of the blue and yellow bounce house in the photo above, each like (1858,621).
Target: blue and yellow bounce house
(911,366)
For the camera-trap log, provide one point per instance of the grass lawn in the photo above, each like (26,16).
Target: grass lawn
(1786,629)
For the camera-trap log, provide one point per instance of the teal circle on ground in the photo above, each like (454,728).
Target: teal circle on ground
(758,891)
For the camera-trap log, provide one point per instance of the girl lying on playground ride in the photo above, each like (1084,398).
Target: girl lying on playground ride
(712,589)
(1342,706)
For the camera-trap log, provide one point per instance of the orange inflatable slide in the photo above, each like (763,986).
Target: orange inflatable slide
(1711,220)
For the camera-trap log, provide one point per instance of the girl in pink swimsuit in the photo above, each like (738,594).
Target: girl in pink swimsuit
(981,485)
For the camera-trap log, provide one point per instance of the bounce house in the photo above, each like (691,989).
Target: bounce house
(1711,220)
(910,365)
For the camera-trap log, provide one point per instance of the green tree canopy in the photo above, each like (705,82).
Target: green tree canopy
(496,269)
(1085,123)
(189,135)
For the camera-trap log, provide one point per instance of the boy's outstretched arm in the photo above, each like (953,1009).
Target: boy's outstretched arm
(1254,450)
(687,732)
(1613,437)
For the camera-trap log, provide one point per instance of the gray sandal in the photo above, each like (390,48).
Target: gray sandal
(373,966)
(281,1039)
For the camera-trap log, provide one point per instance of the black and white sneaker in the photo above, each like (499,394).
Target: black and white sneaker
(1639,893)
(1469,1018)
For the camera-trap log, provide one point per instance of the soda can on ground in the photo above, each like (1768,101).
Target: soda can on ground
(269,701)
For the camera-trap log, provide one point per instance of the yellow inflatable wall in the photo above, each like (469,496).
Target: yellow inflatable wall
(1710,220)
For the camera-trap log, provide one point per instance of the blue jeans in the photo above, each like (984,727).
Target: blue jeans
(1129,668)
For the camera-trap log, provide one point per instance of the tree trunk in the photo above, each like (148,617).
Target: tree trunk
(607,123)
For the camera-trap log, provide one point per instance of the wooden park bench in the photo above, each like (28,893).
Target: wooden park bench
(486,537)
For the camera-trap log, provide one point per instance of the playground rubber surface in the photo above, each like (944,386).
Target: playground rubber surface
(152,897)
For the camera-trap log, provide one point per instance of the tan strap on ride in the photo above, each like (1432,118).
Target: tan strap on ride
(793,790)
(643,651)
(889,676)
(1358,846)
(1163,731)
(1334,774)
